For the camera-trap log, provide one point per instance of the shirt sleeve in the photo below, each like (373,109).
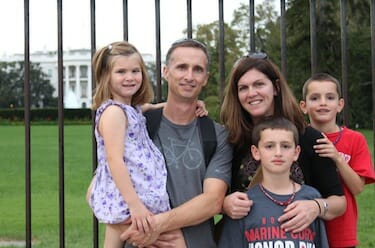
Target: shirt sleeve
(360,160)
(319,172)
(221,162)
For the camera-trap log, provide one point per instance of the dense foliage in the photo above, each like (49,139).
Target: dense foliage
(267,39)
(12,86)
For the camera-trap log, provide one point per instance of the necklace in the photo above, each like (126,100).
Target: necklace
(280,203)
(338,136)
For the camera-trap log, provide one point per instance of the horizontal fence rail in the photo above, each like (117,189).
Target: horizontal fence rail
(158,35)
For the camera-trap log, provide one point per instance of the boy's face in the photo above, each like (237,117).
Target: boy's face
(276,150)
(322,102)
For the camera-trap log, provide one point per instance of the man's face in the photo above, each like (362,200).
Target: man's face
(186,73)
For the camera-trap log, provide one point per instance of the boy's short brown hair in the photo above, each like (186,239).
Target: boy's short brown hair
(321,77)
(274,123)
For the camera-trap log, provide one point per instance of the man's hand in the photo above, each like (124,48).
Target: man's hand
(139,238)
(299,215)
(171,239)
(237,205)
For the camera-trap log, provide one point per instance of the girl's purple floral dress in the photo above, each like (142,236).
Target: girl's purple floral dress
(144,162)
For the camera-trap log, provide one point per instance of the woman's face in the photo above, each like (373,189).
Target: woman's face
(256,94)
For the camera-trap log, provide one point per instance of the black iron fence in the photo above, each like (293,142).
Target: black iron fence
(221,59)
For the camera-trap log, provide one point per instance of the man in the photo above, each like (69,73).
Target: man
(196,191)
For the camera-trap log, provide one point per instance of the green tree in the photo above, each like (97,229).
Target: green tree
(236,40)
(329,50)
(265,21)
(209,35)
(359,66)
(12,86)
(298,47)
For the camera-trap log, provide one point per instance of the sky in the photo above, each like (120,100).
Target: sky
(76,22)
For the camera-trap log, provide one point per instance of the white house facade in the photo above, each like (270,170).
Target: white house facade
(77,78)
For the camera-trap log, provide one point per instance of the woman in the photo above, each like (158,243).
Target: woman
(257,89)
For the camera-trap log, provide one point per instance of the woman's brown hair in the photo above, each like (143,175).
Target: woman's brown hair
(237,120)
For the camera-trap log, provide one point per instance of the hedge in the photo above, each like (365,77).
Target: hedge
(45,115)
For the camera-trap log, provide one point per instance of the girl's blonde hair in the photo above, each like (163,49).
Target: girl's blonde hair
(103,62)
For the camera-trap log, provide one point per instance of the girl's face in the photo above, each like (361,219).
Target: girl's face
(256,94)
(126,78)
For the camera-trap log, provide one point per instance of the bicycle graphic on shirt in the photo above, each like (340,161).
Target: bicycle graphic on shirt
(187,155)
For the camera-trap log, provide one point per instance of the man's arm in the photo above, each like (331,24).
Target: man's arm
(192,212)
(196,210)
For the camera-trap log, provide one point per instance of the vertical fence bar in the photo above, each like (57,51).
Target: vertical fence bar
(313,36)
(344,62)
(125,19)
(158,52)
(251,26)
(27,94)
(189,19)
(27,123)
(221,49)
(283,38)
(95,224)
(61,123)
(373,67)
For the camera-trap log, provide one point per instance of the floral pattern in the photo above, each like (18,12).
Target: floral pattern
(145,164)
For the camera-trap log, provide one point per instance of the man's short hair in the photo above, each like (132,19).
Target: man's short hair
(187,42)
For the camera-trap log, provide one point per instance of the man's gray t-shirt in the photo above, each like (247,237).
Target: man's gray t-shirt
(183,151)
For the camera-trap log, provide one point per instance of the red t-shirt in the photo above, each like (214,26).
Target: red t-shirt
(342,231)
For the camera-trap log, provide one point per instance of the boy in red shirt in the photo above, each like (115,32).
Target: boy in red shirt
(322,102)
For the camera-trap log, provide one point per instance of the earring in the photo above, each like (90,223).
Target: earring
(296,173)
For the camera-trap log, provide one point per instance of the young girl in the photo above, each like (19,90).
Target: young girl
(130,180)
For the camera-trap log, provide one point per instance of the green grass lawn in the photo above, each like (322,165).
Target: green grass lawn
(45,185)
(78,172)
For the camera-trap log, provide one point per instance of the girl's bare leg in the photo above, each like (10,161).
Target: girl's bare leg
(112,235)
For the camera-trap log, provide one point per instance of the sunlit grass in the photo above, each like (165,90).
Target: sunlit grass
(78,171)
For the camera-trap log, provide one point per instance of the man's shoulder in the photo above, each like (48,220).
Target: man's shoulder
(220,131)
(153,118)
(152,113)
(218,126)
